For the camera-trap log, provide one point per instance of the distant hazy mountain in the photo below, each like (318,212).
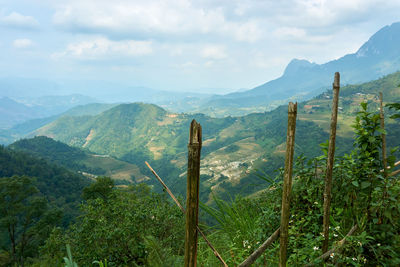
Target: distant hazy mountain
(14,87)
(22,109)
(379,56)
(12,112)
(40,92)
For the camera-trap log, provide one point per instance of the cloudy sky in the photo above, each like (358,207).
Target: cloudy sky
(181,45)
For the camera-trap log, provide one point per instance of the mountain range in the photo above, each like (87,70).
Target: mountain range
(235,149)
(20,111)
(14,112)
(301,80)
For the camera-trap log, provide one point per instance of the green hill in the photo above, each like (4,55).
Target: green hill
(61,187)
(18,131)
(233,147)
(81,161)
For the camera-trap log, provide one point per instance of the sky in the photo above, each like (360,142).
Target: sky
(210,46)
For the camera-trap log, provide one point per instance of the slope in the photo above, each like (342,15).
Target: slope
(76,159)
(22,129)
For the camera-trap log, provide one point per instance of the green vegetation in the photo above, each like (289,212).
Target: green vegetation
(129,227)
(134,226)
(25,217)
(34,196)
(78,160)
(60,186)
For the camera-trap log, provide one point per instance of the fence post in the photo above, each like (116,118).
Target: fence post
(287,182)
(382,117)
(330,160)
(192,195)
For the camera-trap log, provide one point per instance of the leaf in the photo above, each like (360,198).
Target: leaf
(382,131)
(364,105)
(365,184)
(371,139)
(395,116)
(364,146)
(355,183)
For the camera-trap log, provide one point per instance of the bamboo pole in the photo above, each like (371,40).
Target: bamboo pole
(258,252)
(382,119)
(330,161)
(394,173)
(338,246)
(287,183)
(183,211)
(192,195)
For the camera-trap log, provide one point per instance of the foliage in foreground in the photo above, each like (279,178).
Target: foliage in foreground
(126,227)
(25,219)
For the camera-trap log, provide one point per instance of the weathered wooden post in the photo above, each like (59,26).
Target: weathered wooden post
(192,195)
(383,135)
(330,161)
(287,183)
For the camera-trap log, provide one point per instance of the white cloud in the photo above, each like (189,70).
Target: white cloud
(22,43)
(102,48)
(16,20)
(289,33)
(214,52)
(152,19)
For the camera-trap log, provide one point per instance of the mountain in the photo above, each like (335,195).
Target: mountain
(20,110)
(233,147)
(379,56)
(27,87)
(55,104)
(12,112)
(20,130)
(47,93)
(80,161)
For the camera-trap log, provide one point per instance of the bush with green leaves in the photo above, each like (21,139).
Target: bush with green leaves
(122,229)
(26,219)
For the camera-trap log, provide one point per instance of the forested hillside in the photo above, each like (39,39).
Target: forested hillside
(59,185)
(78,160)
(35,196)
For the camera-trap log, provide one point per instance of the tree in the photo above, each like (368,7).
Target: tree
(127,229)
(102,188)
(24,214)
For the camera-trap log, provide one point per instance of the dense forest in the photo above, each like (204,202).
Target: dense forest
(35,196)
